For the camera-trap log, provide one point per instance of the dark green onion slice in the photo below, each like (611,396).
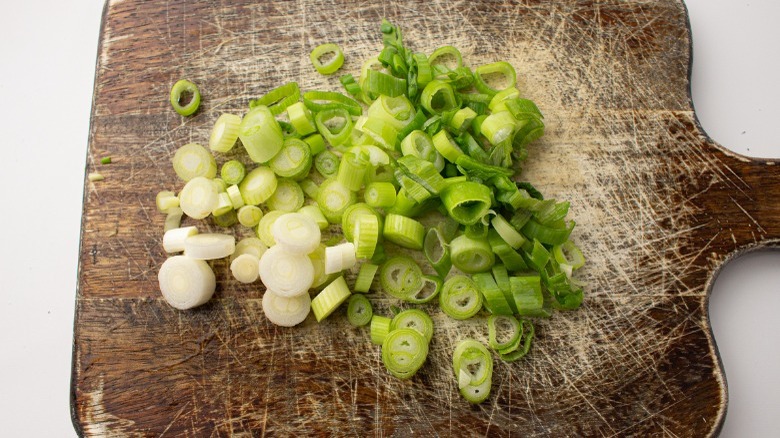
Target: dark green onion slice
(318,101)
(333,64)
(404,351)
(437,252)
(404,231)
(473,368)
(359,310)
(503,331)
(278,99)
(380,328)
(494,299)
(471,255)
(400,276)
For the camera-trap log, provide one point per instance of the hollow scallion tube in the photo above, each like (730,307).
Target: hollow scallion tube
(460,298)
(335,124)
(333,64)
(318,101)
(471,255)
(502,68)
(185,97)
(340,257)
(286,273)
(260,134)
(380,194)
(429,289)
(568,253)
(350,217)
(548,234)
(293,161)
(397,111)
(359,310)
(414,319)
(316,143)
(330,298)
(352,170)
(466,202)
(520,347)
(404,231)
(287,197)
(301,118)
(365,277)
(193,160)
(503,331)
(437,97)
(420,144)
(379,83)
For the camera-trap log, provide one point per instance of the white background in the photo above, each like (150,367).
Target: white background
(48,50)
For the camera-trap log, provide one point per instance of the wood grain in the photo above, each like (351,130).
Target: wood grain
(660,208)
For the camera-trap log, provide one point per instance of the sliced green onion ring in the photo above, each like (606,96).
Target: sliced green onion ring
(287,197)
(185,97)
(334,199)
(224,133)
(365,277)
(466,202)
(414,319)
(278,99)
(400,276)
(404,351)
(437,252)
(359,310)
(473,367)
(460,298)
(502,68)
(404,231)
(380,328)
(471,255)
(193,160)
(330,298)
(333,64)
(293,161)
(503,331)
(260,134)
(286,311)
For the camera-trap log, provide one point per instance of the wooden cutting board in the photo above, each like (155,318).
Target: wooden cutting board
(659,206)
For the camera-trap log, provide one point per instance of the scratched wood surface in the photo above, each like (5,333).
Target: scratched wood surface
(659,208)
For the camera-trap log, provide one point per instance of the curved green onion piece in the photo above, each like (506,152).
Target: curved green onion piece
(498,126)
(232,172)
(404,231)
(471,255)
(406,206)
(438,96)
(330,298)
(359,310)
(522,344)
(494,298)
(547,234)
(510,235)
(460,298)
(334,199)
(441,56)
(527,294)
(382,132)
(479,103)
(366,235)
(258,185)
(379,83)
(287,197)
(501,275)
(260,134)
(278,99)
(473,367)
(331,66)
(318,101)
(400,276)
(335,124)
(185,97)
(353,169)
(567,253)
(500,99)
(431,286)
(461,120)
(511,259)
(224,133)
(235,196)
(193,160)
(365,277)
(293,161)
(380,328)
(404,351)
(414,319)
(380,194)
(423,172)
(466,202)
(503,331)
(327,164)
(437,252)
(502,68)
(249,215)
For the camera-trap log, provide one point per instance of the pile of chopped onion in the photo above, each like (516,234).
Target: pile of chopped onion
(416,139)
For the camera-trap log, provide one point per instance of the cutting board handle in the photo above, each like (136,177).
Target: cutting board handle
(744,203)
